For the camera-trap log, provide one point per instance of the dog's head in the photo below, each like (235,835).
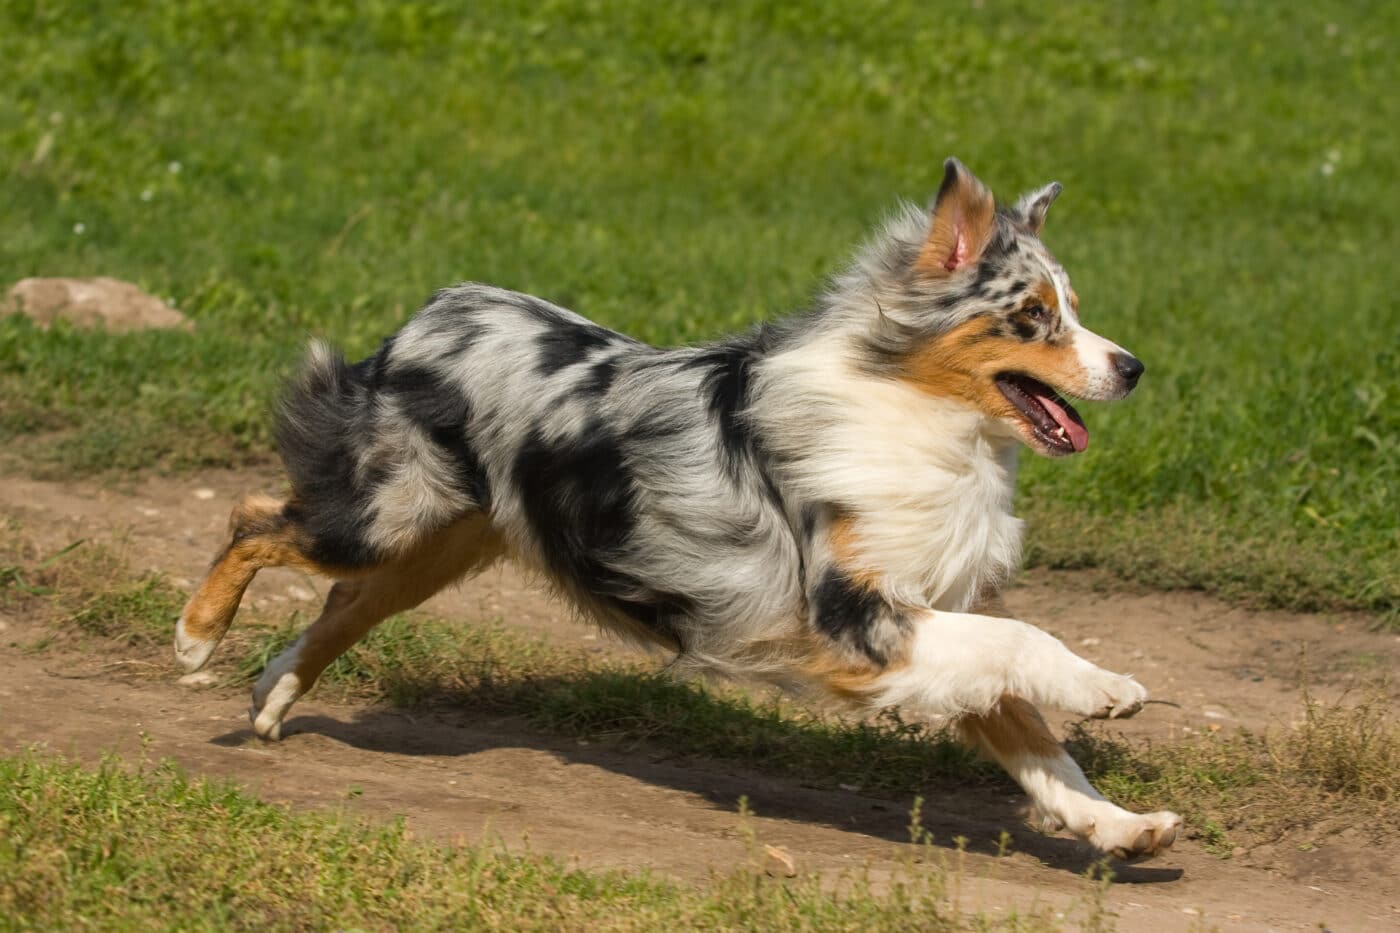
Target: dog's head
(984,316)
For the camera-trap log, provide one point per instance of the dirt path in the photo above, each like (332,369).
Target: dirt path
(454,773)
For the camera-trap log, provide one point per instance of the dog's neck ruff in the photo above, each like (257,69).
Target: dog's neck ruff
(926,483)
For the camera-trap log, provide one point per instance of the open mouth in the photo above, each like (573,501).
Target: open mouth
(1053,420)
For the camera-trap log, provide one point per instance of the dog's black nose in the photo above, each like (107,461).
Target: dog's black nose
(1129,367)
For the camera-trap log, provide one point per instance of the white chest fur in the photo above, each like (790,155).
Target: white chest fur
(928,482)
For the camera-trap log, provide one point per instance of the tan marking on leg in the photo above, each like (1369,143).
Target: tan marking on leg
(353,607)
(1012,728)
(845,551)
(846,682)
(210,610)
(851,680)
(259,536)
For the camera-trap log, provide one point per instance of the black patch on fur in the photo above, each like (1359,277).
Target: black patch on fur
(453,313)
(565,343)
(580,503)
(316,432)
(726,386)
(848,613)
(442,412)
(371,369)
(600,377)
(1023,327)
(987,272)
(327,417)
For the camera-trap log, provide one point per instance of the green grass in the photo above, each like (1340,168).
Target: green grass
(679,170)
(150,849)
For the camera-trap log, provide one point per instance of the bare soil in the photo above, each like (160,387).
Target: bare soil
(453,773)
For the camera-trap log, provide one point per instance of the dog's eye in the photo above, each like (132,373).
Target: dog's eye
(1036,312)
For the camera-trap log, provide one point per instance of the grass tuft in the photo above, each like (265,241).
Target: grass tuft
(88,588)
(1351,750)
(1337,768)
(139,612)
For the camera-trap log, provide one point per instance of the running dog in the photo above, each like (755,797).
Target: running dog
(815,504)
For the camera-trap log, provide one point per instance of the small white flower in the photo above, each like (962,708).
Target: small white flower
(1334,155)
(174,168)
(80,228)
(147,194)
(1328,168)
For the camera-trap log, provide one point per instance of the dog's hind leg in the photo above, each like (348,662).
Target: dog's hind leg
(261,534)
(356,605)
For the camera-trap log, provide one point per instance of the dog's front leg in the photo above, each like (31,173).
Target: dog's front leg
(988,675)
(1014,734)
(962,663)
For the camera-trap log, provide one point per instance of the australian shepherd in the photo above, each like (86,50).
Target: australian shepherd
(815,504)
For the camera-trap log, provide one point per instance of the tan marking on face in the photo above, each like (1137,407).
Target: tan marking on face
(1045,291)
(1013,728)
(1073,298)
(845,551)
(963,363)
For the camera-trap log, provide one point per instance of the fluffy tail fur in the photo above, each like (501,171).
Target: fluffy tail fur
(319,529)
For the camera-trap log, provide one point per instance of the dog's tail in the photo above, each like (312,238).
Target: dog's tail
(322,429)
(320,528)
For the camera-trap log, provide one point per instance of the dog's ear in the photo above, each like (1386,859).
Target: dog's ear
(1033,205)
(964,218)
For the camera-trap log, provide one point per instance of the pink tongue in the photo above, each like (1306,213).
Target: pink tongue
(1078,434)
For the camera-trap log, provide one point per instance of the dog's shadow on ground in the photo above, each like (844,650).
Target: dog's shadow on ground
(973,816)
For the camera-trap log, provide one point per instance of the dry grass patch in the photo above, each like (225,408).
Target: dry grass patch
(1335,769)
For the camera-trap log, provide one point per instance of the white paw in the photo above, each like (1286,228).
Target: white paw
(191,653)
(273,695)
(1135,836)
(1106,695)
